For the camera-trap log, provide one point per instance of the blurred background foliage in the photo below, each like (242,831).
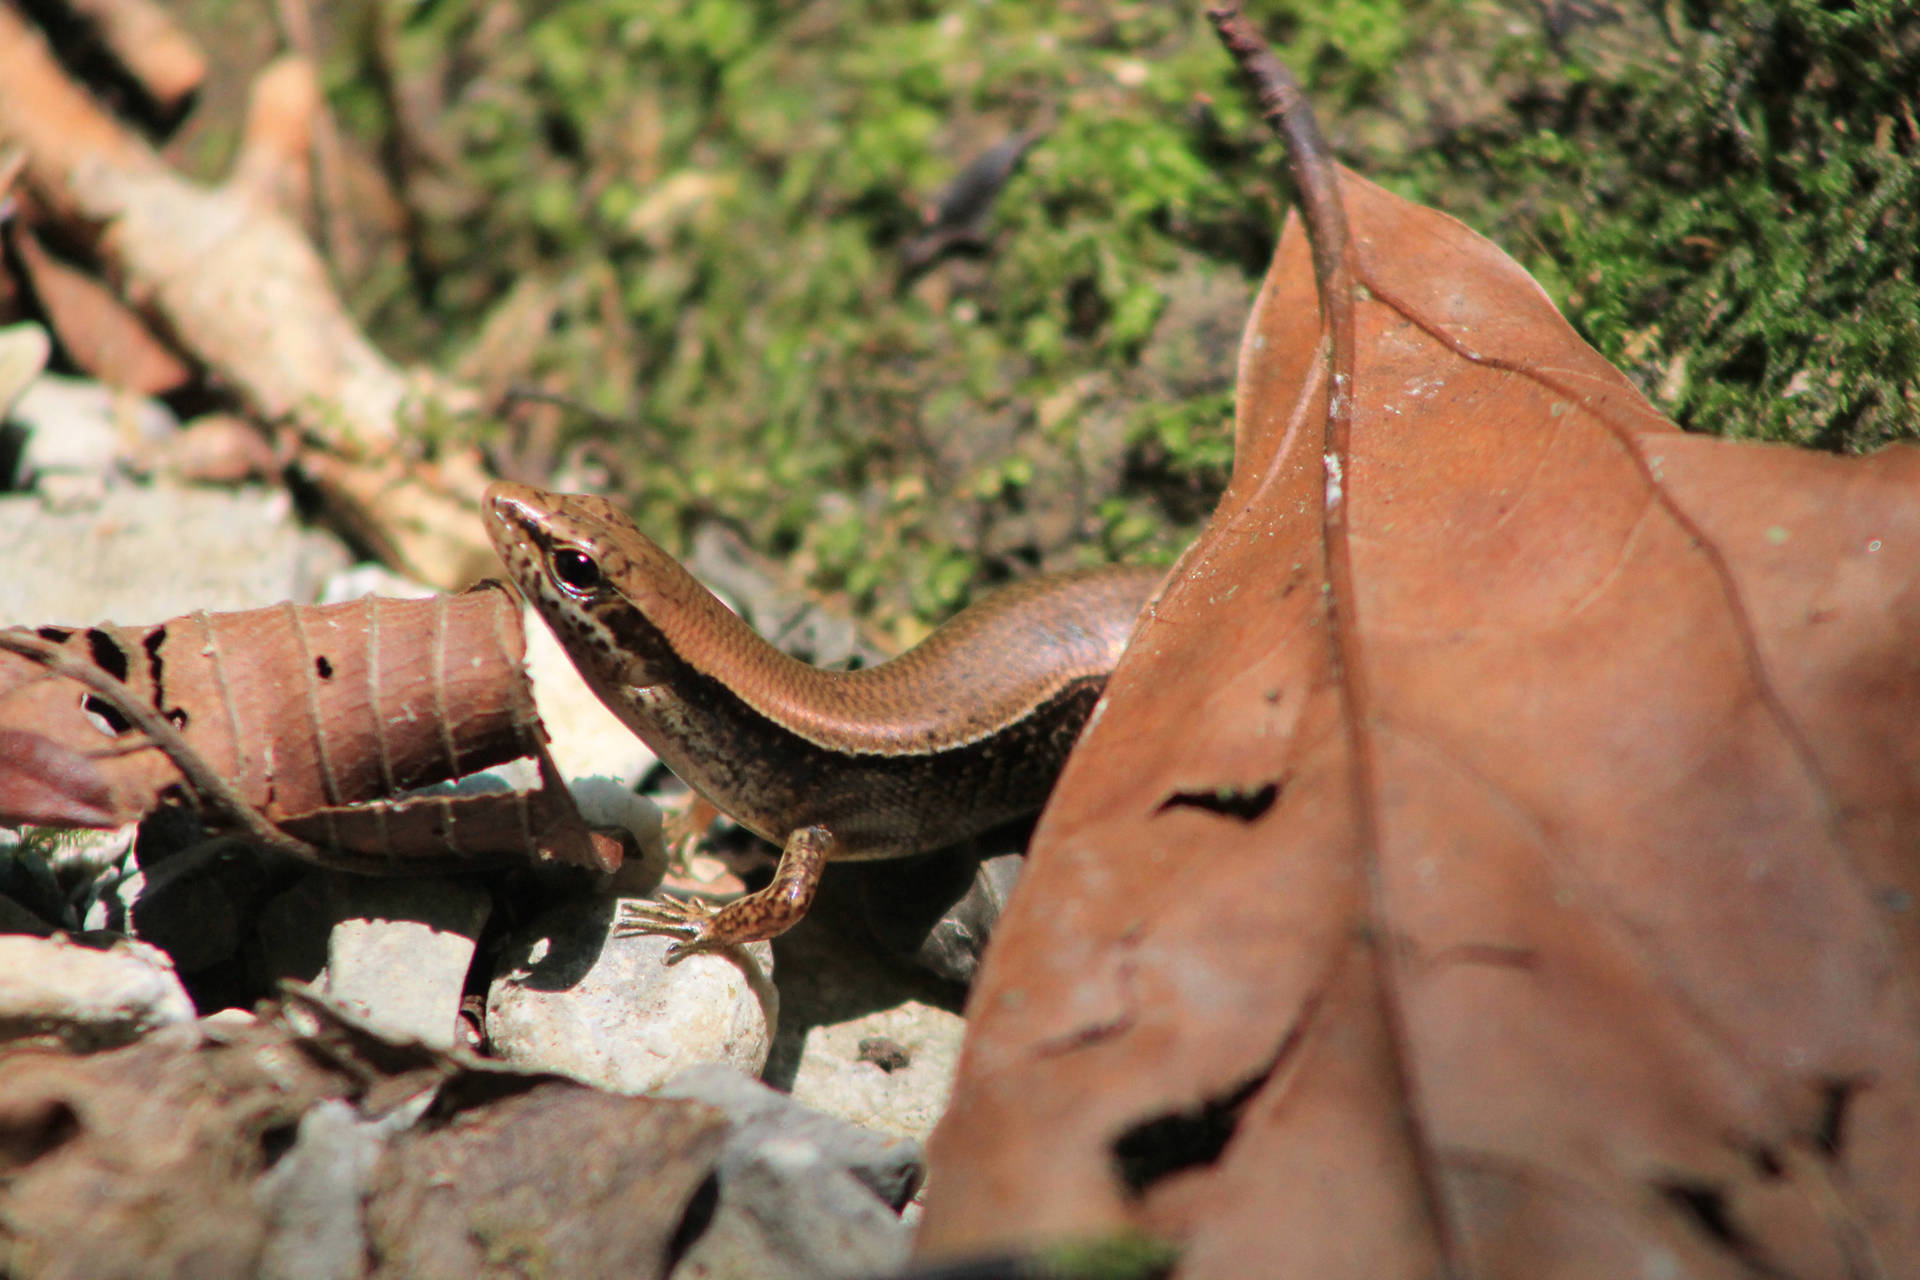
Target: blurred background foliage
(718,226)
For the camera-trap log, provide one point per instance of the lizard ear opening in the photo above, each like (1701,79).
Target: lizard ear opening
(576,571)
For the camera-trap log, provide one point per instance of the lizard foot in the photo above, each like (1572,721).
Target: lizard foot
(689,921)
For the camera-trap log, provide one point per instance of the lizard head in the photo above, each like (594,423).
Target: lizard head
(603,586)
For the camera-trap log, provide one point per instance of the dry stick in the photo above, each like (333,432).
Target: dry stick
(198,775)
(527,393)
(13,162)
(1287,112)
(329,200)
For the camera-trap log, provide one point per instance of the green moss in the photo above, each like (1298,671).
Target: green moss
(719,193)
(1736,221)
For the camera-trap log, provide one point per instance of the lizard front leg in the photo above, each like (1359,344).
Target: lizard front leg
(768,913)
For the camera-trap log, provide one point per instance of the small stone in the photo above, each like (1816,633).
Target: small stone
(572,997)
(155,553)
(78,427)
(56,992)
(785,1211)
(890,1167)
(228,1022)
(802,1194)
(607,804)
(313,1196)
(836,1077)
(400,950)
(370,579)
(24,349)
(939,911)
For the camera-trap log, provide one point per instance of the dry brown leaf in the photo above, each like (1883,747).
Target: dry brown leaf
(307,714)
(186,1155)
(559,1178)
(97,331)
(1497,853)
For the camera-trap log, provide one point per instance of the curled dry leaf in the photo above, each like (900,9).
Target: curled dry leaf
(306,715)
(1496,855)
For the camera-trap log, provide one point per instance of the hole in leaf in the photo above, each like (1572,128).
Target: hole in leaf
(323,668)
(57,635)
(695,1221)
(107,654)
(1831,1130)
(155,641)
(105,716)
(35,1130)
(275,1142)
(1231,802)
(1165,1145)
(1705,1206)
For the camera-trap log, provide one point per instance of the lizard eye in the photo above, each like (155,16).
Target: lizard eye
(576,571)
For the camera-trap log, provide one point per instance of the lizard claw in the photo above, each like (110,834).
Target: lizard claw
(688,921)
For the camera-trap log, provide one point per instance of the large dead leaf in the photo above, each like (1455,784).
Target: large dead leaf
(1497,853)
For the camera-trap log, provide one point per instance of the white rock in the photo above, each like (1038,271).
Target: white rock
(53,990)
(570,997)
(76,426)
(836,1078)
(370,579)
(154,553)
(399,952)
(24,349)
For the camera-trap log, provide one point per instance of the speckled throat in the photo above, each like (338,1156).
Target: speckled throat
(963,732)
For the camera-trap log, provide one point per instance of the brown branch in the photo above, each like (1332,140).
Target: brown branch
(1318,178)
(1288,113)
(237,285)
(167,63)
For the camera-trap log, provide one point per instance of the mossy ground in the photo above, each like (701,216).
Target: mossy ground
(708,206)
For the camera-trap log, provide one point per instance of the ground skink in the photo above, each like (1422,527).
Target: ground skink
(961,733)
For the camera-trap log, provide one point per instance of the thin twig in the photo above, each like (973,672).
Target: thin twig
(527,393)
(1285,108)
(1318,179)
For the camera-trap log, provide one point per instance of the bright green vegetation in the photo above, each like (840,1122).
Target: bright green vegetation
(711,200)
(1735,220)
